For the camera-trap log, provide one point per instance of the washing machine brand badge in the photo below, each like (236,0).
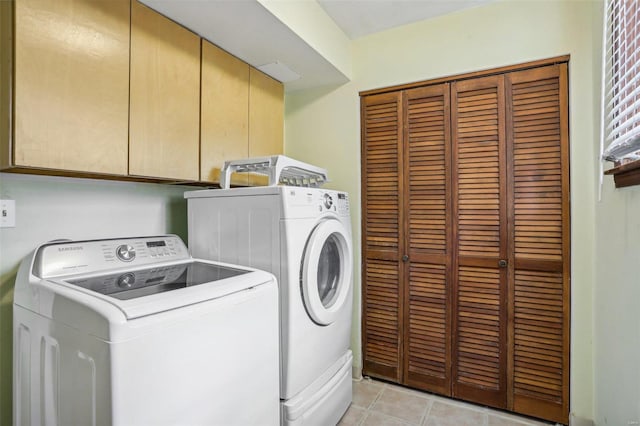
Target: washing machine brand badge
(71,248)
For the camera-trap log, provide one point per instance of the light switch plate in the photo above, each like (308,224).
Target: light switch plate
(7,213)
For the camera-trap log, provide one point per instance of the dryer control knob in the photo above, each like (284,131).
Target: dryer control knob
(328,201)
(126,253)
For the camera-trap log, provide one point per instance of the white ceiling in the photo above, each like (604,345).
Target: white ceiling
(250,31)
(358,18)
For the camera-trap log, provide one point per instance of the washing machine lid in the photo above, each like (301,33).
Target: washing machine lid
(126,285)
(126,278)
(162,287)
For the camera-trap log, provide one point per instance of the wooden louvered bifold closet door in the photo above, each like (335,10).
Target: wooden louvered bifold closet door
(427,159)
(466,238)
(480,239)
(539,193)
(382,180)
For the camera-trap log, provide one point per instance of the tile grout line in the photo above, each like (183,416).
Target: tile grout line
(379,394)
(425,416)
(366,414)
(367,409)
(386,386)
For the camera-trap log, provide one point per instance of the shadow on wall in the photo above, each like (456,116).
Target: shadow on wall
(177,216)
(6,356)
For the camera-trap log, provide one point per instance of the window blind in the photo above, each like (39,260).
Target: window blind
(621,81)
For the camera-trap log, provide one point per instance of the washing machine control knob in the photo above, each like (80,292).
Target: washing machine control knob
(126,280)
(126,253)
(328,201)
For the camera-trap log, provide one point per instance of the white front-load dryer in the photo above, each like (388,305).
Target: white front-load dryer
(302,236)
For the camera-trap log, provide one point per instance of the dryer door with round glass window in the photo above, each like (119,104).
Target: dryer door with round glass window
(326,271)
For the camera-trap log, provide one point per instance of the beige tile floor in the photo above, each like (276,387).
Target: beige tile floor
(382,404)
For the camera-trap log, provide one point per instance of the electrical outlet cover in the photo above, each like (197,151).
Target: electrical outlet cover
(7,213)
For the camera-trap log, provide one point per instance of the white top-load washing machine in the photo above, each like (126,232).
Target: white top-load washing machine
(303,236)
(136,332)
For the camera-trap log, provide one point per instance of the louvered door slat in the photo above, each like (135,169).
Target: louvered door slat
(538,142)
(382,236)
(479,193)
(382,127)
(381,313)
(427,349)
(427,338)
(479,338)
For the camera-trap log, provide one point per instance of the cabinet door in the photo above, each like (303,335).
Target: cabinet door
(427,210)
(165,97)
(266,115)
(224,122)
(480,211)
(382,235)
(71,85)
(539,191)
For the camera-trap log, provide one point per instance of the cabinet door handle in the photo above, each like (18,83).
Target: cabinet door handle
(502,263)
(405,258)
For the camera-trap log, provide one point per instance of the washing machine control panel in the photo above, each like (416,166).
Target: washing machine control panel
(64,258)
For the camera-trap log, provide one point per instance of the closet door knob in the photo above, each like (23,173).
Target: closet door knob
(405,258)
(502,263)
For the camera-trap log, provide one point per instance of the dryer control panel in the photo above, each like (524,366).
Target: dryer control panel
(67,258)
(342,203)
(310,202)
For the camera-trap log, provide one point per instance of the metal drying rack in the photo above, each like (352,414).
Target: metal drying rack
(280,169)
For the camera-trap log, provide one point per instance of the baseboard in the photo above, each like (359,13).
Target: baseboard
(580,421)
(356,372)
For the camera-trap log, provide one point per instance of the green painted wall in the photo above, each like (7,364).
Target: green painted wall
(616,296)
(616,307)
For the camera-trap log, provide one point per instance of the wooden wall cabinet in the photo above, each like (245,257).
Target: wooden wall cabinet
(165,97)
(65,85)
(115,90)
(242,114)
(224,119)
(266,115)
(266,120)
(466,238)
